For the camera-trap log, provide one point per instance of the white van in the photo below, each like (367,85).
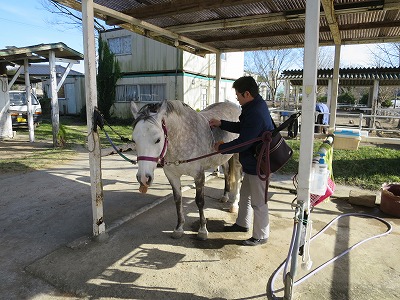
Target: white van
(396,103)
(19,109)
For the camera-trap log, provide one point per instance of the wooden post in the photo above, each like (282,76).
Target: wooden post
(91,103)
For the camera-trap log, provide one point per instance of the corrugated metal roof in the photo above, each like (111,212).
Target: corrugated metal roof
(243,25)
(44,70)
(37,53)
(349,76)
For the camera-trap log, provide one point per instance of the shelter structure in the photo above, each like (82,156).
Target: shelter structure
(364,77)
(22,58)
(218,26)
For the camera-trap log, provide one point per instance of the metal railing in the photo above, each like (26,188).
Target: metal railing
(382,127)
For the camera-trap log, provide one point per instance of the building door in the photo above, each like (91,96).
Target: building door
(69,89)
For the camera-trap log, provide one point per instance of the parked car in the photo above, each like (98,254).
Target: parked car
(396,103)
(19,109)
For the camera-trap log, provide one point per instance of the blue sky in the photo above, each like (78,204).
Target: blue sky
(28,23)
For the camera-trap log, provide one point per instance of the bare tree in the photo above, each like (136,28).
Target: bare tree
(268,65)
(67,18)
(386,55)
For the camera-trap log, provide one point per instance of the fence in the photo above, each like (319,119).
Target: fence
(381,127)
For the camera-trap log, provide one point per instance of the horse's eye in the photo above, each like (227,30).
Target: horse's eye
(158,140)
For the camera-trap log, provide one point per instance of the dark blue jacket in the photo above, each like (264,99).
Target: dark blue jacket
(253,121)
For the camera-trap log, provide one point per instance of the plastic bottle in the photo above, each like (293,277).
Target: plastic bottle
(319,177)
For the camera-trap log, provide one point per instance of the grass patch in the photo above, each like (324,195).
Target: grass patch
(37,160)
(76,132)
(368,167)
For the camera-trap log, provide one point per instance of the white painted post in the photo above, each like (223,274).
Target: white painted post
(91,103)
(375,94)
(217,76)
(287,94)
(309,98)
(29,101)
(55,112)
(334,90)
(5,117)
(307,130)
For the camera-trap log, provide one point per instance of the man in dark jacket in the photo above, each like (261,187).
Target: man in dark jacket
(253,121)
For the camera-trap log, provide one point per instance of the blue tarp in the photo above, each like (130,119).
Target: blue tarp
(323,108)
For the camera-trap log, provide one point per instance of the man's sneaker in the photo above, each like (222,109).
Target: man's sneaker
(254,242)
(235,228)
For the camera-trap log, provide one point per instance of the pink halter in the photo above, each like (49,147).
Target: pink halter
(160,158)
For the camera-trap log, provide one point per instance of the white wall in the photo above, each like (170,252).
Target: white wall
(146,54)
(232,67)
(194,83)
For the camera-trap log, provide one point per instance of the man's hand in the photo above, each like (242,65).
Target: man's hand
(214,123)
(216,145)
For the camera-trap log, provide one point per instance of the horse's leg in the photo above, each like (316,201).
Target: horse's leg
(199,183)
(177,192)
(227,187)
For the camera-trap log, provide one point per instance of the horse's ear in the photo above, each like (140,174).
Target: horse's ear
(163,108)
(134,109)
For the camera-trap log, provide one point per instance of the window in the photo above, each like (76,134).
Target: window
(120,45)
(152,92)
(141,93)
(223,56)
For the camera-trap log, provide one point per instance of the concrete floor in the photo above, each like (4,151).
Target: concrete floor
(47,252)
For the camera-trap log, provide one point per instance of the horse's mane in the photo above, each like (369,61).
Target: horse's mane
(147,112)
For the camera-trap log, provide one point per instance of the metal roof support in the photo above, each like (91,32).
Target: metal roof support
(307,130)
(65,74)
(287,94)
(29,101)
(91,102)
(10,84)
(334,90)
(375,94)
(217,76)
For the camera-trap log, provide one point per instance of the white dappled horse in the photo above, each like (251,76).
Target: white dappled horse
(170,132)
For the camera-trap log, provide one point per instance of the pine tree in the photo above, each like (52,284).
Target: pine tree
(107,75)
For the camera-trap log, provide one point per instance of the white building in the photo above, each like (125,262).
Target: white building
(152,72)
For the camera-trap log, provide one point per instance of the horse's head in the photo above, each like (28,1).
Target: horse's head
(149,135)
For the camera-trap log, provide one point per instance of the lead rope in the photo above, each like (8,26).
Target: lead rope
(266,139)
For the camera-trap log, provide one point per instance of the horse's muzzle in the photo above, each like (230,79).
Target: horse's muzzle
(144,180)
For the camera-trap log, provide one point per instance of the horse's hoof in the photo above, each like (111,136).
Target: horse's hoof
(177,234)
(234,209)
(224,199)
(202,236)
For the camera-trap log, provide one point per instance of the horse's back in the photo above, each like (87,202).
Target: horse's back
(222,110)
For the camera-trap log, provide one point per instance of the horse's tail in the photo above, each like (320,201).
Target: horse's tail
(235,170)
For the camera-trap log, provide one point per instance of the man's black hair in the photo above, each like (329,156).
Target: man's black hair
(246,83)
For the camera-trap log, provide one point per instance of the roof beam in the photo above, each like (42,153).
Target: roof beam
(285,32)
(102,11)
(265,19)
(274,18)
(175,7)
(331,19)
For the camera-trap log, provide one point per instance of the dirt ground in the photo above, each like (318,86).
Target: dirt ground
(47,251)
